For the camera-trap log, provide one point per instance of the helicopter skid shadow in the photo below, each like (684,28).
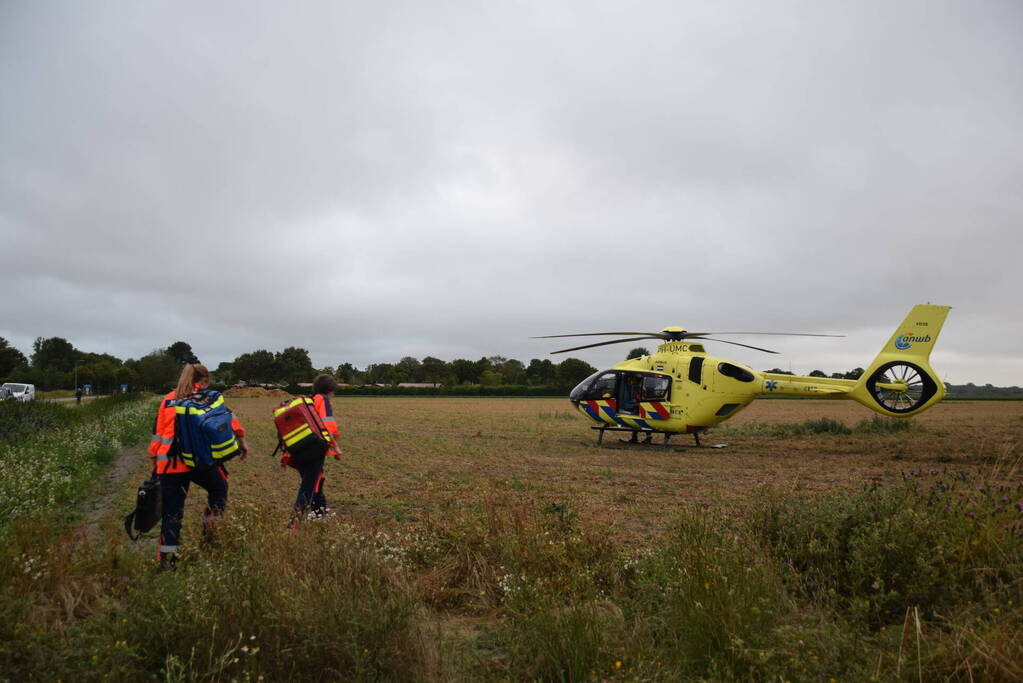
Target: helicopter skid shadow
(654,447)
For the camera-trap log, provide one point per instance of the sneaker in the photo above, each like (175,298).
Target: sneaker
(169,563)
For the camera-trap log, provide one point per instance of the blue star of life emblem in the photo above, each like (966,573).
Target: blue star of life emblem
(771,384)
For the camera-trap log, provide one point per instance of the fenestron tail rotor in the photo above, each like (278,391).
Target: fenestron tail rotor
(900,386)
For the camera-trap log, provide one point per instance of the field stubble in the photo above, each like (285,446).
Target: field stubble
(406,459)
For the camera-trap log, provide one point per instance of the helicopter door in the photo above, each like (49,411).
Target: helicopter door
(630,390)
(654,398)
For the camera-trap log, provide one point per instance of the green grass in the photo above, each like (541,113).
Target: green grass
(798,591)
(49,456)
(916,580)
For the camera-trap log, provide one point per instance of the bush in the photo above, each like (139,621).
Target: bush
(934,541)
(707,601)
(327,600)
(18,419)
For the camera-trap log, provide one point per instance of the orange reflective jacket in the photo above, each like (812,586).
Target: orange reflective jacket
(162,448)
(325,409)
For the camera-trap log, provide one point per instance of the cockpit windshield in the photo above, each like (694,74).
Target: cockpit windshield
(599,385)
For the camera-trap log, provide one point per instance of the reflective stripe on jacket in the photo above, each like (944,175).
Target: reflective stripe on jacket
(162,448)
(325,409)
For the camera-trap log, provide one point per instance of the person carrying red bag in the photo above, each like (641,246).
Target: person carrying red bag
(310,498)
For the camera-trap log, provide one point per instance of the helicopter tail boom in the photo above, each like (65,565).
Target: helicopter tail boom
(900,381)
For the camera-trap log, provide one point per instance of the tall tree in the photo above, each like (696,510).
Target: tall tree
(465,371)
(257,367)
(512,372)
(294,366)
(224,374)
(10,358)
(54,353)
(541,372)
(100,373)
(571,371)
(490,378)
(408,369)
(434,370)
(157,370)
(637,352)
(182,353)
(378,373)
(126,375)
(346,373)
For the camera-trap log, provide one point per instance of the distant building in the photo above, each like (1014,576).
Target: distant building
(421,385)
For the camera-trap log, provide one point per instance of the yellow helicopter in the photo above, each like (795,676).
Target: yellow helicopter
(682,390)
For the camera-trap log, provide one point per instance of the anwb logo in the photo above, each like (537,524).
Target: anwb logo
(905,341)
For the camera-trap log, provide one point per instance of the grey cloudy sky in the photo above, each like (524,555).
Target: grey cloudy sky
(374,180)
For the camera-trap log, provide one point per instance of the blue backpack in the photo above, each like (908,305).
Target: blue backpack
(203,430)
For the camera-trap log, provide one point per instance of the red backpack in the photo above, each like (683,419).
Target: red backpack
(301,433)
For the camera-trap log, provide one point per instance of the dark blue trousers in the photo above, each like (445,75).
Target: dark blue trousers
(310,490)
(174,489)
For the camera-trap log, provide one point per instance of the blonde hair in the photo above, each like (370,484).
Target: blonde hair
(190,376)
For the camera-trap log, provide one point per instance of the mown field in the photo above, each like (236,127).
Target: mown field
(490,539)
(410,459)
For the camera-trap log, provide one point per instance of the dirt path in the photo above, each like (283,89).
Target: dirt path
(130,463)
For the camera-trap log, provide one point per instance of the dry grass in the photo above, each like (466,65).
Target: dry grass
(407,459)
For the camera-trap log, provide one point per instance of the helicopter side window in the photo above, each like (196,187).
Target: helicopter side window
(735,372)
(696,369)
(604,387)
(655,388)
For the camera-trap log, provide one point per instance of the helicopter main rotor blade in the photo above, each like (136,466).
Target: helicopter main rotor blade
(756,348)
(613,341)
(777,334)
(659,335)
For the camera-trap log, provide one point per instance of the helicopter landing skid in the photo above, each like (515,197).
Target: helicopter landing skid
(648,438)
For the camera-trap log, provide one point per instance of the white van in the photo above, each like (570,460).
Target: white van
(18,392)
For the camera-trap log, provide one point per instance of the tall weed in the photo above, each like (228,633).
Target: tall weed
(933,541)
(58,452)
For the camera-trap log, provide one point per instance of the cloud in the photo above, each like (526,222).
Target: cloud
(403,179)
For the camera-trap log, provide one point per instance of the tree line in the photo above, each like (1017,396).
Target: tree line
(56,364)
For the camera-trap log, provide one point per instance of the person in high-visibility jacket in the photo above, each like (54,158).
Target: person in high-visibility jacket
(176,476)
(310,490)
